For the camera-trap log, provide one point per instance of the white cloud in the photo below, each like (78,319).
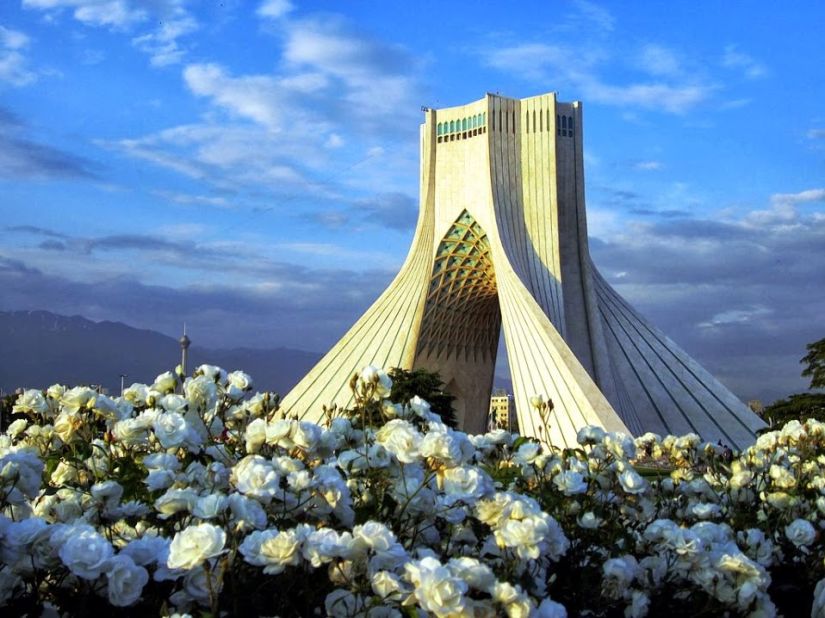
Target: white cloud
(12,39)
(161,43)
(543,63)
(809,195)
(736,316)
(658,60)
(14,67)
(816,134)
(113,13)
(595,15)
(676,99)
(274,9)
(376,77)
(750,67)
(188,199)
(255,97)
(648,166)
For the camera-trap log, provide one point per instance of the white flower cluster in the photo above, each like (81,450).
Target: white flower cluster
(200,495)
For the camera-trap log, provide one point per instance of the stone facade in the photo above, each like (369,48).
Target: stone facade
(501,242)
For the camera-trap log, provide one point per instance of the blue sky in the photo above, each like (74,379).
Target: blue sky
(252,168)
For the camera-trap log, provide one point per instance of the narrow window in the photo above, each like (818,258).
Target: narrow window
(452,126)
(570,126)
(527,121)
(438,131)
(500,123)
(483,118)
(558,124)
(514,121)
(474,120)
(534,121)
(463,124)
(541,121)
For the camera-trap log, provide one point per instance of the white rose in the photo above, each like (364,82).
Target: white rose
(17,427)
(631,481)
(212,372)
(527,453)
(386,584)
(195,544)
(474,572)
(63,474)
(278,433)
(31,401)
(570,483)
(589,521)
(246,512)
(146,550)
(800,532)
(401,439)
(818,608)
(550,609)
(76,398)
(108,492)
(590,435)
(383,383)
(324,545)
(171,429)
(240,380)
(22,468)
(255,435)
(126,581)
(86,553)
(306,435)
(273,549)
(343,604)
(256,477)
(210,506)
(202,392)
(174,501)
(165,382)
(174,403)
(67,423)
(436,589)
(130,432)
(467,482)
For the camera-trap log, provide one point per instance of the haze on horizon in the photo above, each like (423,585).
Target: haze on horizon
(252,170)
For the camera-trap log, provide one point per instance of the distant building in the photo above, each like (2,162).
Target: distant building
(502,411)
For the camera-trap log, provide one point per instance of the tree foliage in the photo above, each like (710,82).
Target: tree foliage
(815,361)
(426,384)
(799,407)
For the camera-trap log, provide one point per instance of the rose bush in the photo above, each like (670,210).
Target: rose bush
(199,497)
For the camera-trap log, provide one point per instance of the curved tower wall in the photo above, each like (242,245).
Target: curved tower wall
(501,242)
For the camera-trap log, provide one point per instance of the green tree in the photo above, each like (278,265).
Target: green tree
(815,361)
(426,384)
(801,407)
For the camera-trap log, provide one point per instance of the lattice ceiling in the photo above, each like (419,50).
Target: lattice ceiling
(462,315)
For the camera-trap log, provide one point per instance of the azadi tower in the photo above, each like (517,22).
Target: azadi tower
(501,240)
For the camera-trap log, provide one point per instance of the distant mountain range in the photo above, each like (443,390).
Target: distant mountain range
(39,348)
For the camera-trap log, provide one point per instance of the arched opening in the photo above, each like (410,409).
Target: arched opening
(460,327)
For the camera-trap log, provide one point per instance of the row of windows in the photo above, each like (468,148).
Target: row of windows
(460,126)
(474,125)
